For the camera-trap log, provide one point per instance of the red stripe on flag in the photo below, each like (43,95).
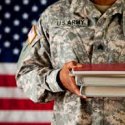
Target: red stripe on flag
(7,81)
(23,104)
(2,123)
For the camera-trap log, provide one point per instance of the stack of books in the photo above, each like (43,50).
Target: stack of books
(101,80)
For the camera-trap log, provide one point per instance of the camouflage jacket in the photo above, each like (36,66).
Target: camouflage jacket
(67,31)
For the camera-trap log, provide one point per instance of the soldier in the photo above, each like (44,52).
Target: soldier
(70,33)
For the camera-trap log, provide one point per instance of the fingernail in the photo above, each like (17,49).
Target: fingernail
(84,97)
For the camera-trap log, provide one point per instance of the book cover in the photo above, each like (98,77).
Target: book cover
(100,69)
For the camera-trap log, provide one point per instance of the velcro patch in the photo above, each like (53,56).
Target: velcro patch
(32,35)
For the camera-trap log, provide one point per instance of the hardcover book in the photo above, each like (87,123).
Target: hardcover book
(91,91)
(101,80)
(100,69)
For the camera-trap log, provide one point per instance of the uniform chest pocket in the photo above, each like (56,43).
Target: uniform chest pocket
(117,51)
(61,46)
(78,46)
(67,45)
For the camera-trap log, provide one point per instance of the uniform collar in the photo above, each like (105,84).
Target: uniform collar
(85,8)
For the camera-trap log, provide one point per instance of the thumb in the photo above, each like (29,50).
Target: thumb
(71,65)
(79,65)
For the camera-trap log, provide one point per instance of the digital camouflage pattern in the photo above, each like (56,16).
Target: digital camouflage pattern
(74,30)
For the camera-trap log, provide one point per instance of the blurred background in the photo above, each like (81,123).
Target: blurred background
(16,20)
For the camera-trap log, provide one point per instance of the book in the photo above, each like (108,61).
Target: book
(102,80)
(100,70)
(91,91)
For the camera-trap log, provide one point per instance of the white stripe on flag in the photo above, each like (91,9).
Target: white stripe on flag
(8,68)
(25,116)
(11,92)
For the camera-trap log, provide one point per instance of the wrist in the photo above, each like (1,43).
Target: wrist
(59,81)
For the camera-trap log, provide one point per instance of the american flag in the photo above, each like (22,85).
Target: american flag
(16,20)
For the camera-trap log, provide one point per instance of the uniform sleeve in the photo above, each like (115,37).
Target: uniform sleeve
(35,73)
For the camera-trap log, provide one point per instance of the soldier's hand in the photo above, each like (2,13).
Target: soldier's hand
(67,80)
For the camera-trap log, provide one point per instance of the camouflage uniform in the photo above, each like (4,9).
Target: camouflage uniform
(74,30)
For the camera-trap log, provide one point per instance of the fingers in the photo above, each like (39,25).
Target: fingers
(69,81)
(79,65)
(70,65)
(75,88)
(73,64)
